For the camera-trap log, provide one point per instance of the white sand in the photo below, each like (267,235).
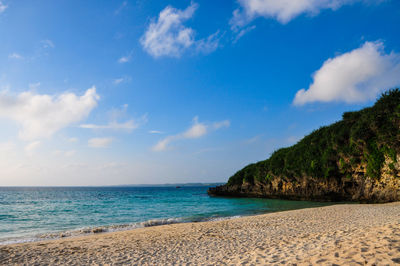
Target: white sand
(342,234)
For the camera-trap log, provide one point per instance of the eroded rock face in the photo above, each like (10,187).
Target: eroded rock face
(354,159)
(357,188)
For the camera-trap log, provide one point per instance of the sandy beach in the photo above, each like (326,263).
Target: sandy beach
(347,234)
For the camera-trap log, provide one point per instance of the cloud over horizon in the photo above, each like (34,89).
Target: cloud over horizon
(42,115)
(100,142)
(168,36)
(197,130)
(32,147)
(356,76)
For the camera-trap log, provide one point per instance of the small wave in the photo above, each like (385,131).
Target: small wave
(108,228)
(90,230)
(17,241)
(216,219)
(157,222)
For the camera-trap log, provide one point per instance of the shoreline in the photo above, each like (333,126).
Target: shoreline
(122,227)
(342,234)
(107,229)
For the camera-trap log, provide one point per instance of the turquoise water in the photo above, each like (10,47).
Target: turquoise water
(38,213)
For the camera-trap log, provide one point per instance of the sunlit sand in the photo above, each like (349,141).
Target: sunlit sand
(341,234)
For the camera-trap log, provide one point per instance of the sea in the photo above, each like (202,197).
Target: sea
(30,214)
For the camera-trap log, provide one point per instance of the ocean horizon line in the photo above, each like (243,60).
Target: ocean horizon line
(119,185)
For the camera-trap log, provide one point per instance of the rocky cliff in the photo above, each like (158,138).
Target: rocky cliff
(355,159)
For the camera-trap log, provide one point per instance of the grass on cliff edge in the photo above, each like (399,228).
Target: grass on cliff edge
(364,138)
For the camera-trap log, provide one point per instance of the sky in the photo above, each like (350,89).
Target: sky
(151,92)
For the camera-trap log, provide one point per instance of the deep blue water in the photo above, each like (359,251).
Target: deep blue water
(37,213)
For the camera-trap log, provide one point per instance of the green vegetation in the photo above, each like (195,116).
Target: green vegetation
(361,138)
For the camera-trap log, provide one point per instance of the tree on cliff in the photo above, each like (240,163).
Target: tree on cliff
(354,148)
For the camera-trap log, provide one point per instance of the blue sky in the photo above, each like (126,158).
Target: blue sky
(133,92)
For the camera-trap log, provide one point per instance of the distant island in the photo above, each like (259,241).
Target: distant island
(355,159)
(176,185)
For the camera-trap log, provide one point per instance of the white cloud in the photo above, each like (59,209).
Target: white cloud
(356,76)
(116,114)
(167,36)
(243,32)
(125,59)
(32,147)
(122,80)
(197,130)
(100,142)
(162,144)
(208,45)
(156,132)
(128,125)
(14,55)
(3,7)
(283,10)
(42,115)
